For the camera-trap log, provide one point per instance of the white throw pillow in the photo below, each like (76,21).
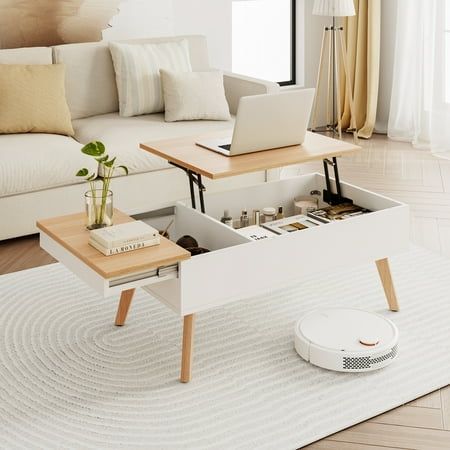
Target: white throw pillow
(137,73)
(194,96)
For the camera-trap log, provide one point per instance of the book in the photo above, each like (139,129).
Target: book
(123,248)
(337,212)
(256,233)
(290,224)
(125,233)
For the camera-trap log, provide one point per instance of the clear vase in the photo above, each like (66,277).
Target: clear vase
(99,209)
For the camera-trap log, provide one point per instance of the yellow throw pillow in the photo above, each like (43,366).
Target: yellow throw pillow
(33,99)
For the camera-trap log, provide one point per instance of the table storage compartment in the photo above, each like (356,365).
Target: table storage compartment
(237,267)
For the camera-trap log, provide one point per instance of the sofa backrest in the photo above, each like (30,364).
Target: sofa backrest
(32,55)
(90,79)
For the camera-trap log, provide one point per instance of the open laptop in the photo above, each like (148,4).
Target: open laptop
(265,122)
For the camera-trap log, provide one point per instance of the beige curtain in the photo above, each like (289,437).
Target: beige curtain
(362,36)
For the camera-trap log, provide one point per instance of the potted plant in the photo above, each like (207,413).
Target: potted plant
(99,198)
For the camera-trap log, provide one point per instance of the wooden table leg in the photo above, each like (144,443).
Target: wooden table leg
(124,306)
(386,279)
(188,341)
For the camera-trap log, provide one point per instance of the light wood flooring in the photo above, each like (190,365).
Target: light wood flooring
(399,171)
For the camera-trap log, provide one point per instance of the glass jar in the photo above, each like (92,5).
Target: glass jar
(99,209)
(268,214)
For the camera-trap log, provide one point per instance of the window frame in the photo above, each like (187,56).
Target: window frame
(293,46)
(293,24)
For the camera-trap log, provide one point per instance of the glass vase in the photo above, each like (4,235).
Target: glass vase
(99,209)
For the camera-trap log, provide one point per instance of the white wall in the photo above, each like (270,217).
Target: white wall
(211,18)
(141,18)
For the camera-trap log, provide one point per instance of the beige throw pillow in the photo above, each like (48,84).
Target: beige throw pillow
(194,96)
(33,99)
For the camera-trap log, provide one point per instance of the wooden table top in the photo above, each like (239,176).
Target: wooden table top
(70,231)
(185,153)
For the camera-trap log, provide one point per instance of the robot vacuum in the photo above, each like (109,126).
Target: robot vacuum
(346,340)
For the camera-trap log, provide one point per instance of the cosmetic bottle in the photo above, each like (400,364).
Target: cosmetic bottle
(227,219)
(280,214)
(256,217)
(244,219)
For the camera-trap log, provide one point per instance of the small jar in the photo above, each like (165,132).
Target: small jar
(268,214)
(227,219)
(304,204)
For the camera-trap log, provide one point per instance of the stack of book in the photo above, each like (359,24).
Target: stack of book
(124,237)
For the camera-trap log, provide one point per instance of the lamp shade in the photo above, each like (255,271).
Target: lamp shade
(334,8)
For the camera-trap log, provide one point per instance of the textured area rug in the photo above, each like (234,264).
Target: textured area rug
(70,379)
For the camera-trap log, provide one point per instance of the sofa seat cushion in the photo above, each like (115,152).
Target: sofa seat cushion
(32,162)
(122,136)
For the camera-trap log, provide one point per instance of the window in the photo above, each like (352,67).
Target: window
(264,39)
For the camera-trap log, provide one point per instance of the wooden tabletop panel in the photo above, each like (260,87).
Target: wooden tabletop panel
(70,231)
(185,153)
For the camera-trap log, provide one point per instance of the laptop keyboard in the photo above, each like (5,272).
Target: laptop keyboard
(225,147)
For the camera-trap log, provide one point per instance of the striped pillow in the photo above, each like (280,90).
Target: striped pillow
(137,73)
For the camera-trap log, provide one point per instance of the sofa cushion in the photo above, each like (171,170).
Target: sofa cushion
(31,162)
(33,55)
(90,79)
(194,96)
(122,136)
(137,73)
(33,99)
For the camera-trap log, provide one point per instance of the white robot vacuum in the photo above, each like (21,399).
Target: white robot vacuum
(346,340)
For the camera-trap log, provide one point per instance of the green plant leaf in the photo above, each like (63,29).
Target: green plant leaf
(110,163)
(94,148)
(125,169)
(82,172)
(102,159)
(92,177)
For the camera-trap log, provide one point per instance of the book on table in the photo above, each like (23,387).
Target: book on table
(124,234)
(290,224)
(125,247)
(338,212)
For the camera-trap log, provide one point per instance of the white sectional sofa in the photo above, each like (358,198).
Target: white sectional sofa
(37,171)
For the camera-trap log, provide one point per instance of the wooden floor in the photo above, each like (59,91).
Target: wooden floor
(406,174)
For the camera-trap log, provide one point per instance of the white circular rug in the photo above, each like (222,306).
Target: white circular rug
(70,379)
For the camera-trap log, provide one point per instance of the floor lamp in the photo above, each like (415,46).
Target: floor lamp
(333,48)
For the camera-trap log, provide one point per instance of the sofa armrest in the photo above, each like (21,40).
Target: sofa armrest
(237,86)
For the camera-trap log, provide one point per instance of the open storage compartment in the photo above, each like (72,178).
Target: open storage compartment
(238,267)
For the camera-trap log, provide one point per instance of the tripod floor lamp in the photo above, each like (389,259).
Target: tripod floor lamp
(333,52)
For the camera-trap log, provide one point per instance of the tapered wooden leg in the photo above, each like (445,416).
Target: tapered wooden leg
(124,306)
(386,279)
(188,341)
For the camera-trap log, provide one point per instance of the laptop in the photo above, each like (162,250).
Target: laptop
(265,122)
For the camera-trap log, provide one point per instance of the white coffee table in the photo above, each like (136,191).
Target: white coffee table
(237,267)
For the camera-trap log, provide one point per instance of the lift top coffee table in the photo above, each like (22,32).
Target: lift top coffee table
(236,266)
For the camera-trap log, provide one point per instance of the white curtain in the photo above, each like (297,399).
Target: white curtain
(420,102)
